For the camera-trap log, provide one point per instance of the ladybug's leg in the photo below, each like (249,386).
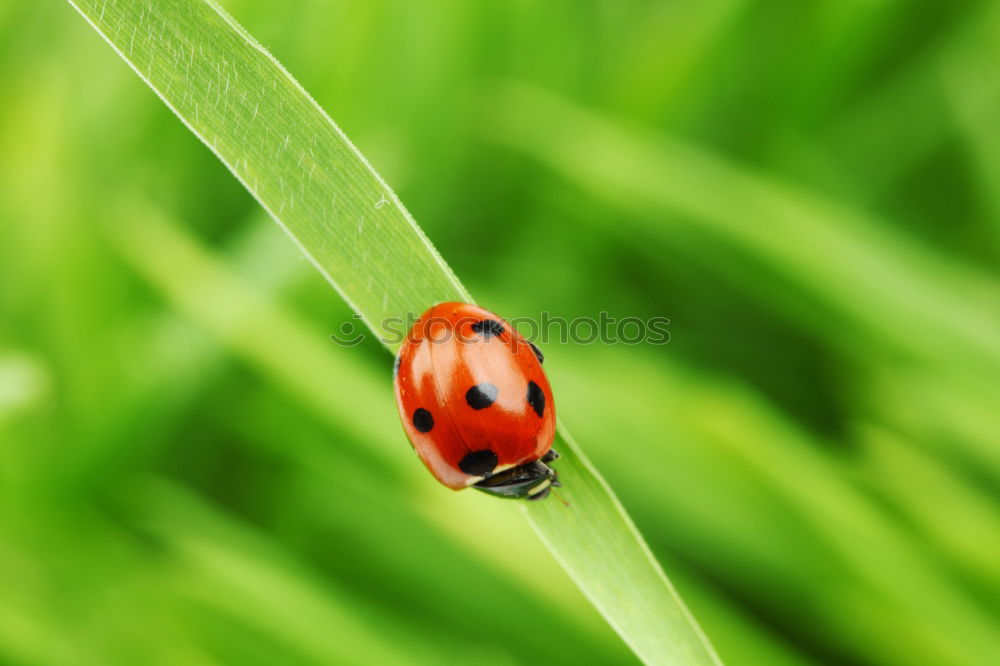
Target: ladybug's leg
(538,352)
(549,456)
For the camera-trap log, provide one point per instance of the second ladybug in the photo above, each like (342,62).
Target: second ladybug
(476,404)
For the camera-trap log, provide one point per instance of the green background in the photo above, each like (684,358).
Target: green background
(809,191)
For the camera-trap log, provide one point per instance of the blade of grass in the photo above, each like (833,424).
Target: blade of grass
(751,455)
(295,161)
(303,367)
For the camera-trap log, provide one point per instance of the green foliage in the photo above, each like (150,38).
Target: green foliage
(298,164)
(192,474)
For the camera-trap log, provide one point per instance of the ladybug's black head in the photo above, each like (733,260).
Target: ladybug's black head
(533,480)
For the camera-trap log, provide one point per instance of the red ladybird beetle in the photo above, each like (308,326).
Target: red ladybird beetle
(475,403)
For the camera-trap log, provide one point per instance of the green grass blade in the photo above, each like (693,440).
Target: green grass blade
(598,545)
(280,144)
(285,150)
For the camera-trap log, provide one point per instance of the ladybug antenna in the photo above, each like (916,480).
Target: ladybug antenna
(559,497)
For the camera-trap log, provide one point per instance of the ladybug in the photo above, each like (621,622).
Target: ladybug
(475,403)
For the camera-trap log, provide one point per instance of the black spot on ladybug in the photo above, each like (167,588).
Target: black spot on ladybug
(478,463)
(538,352)
(422,420)
(536,398)
(488,328)
(395,366)
(482,395)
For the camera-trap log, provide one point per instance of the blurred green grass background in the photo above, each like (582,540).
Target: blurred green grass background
(192,474)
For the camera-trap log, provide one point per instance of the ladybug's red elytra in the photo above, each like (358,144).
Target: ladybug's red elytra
(475,403)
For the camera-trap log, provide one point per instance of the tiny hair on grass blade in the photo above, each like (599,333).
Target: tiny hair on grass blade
(249,111)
